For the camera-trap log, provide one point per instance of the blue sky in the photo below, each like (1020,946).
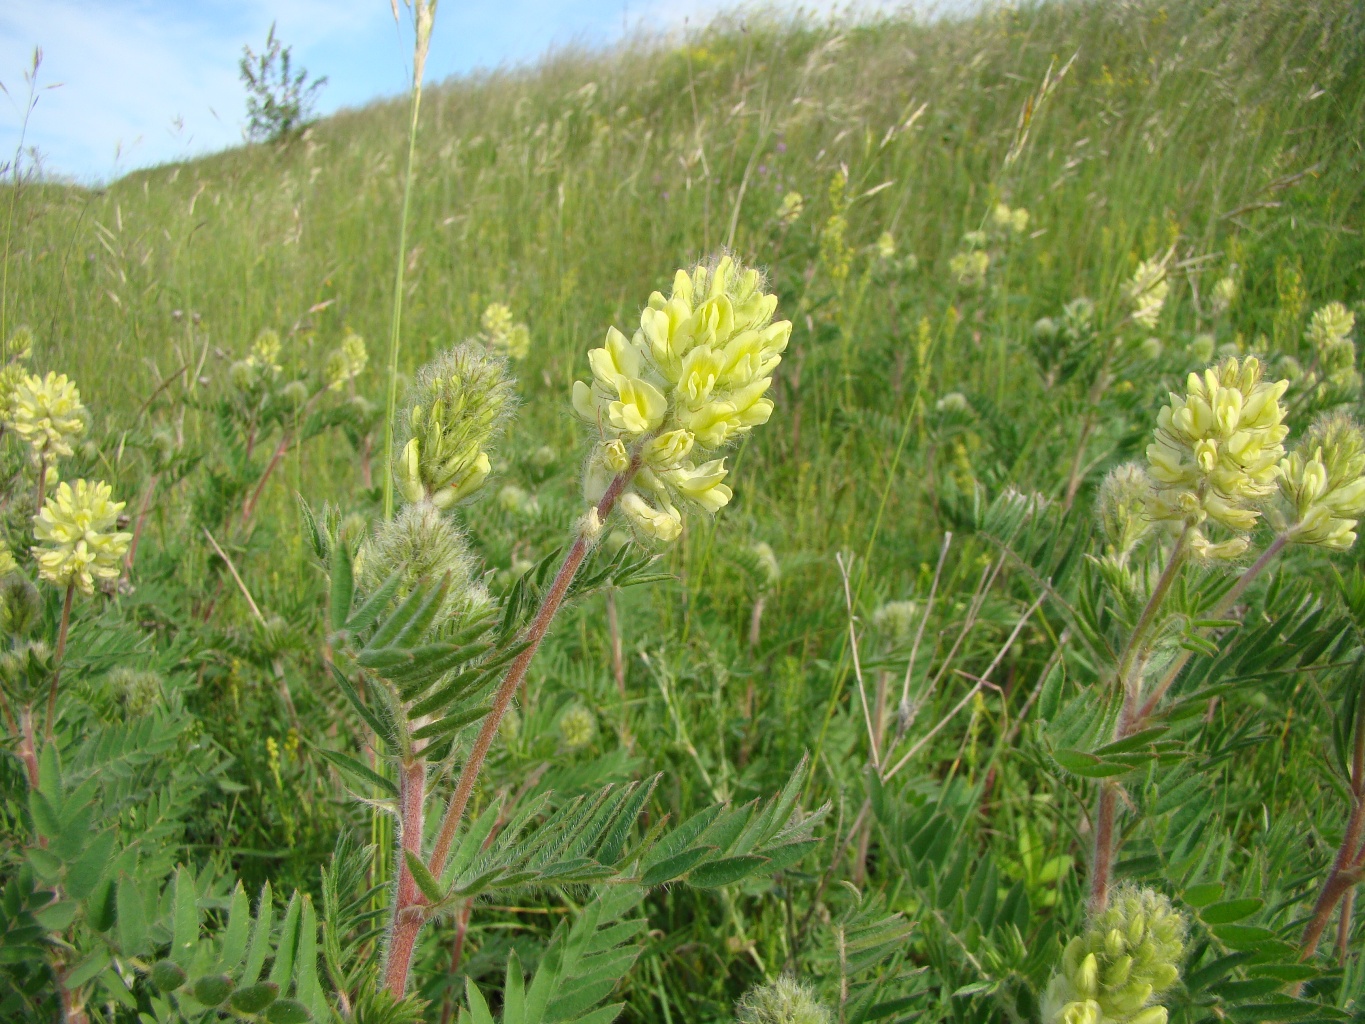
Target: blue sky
(140,82)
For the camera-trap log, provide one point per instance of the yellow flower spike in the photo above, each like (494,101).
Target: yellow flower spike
(48,414)
(1217,449)
(1330,327)
(7,562)
(78,539)
(691,379)
(1323,482)
(1146,292)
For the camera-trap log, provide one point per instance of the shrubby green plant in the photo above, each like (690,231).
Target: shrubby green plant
(934,577)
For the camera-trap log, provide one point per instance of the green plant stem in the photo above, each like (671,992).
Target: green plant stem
(57,660)
(409,912)
(1223,607)
(403,941)
(396,324)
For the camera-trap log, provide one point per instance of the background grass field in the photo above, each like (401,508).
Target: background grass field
(1228,131)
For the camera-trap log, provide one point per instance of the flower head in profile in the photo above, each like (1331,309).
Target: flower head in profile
(48,414)
(1117,970)
(347,361)
(78,536)
(264,356)
(691,379)
(1323,481)
(503,333)
(1146,292)
(455,411)
(1216,452)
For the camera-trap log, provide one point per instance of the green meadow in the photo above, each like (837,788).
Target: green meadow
(994,692)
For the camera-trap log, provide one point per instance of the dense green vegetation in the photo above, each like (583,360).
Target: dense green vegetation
(923,581)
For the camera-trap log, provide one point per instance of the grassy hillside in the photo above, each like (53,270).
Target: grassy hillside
(1223,137)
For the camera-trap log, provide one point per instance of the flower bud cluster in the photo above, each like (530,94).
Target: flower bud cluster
(691,379)
(1127,957)
(455,410)
(503,334)
(1146,292)
(1216,452)
(784,1001)
(1124,499)
(78,537)
(1323,480)
(790,209)
(1224,295)
(48,414)
(425,546)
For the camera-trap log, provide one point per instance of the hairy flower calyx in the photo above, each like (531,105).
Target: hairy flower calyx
(455,411)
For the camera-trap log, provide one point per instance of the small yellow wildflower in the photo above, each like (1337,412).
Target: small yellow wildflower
(1217,449)
(503,333)
(1224,295)
(265,353)
(7,563)
(791,209)
(347,362)
(1146,291)
(886,245)
(48,414)
(78,536)
(969,268)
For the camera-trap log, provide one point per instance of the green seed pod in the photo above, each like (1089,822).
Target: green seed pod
(167,975)
(212,989)
(254,998)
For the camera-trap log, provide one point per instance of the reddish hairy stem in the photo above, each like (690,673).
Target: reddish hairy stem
(28,749)
(57,665)
(408,913)
(1102,867)
(406,928)
(1346,868)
